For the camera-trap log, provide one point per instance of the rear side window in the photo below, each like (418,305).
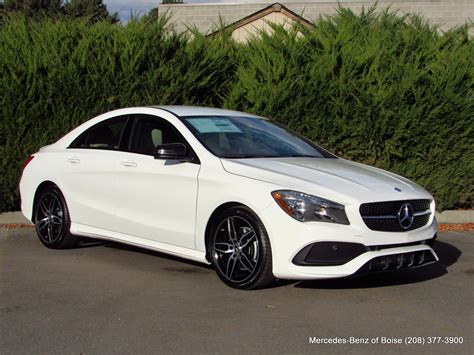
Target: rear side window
(104,135)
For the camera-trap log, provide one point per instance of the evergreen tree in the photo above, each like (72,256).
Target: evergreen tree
(32,8)
(94,10)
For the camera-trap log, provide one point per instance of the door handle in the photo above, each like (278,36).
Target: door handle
(128,163)
(73,160)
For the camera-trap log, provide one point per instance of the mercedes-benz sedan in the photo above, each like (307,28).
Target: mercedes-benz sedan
(231,189)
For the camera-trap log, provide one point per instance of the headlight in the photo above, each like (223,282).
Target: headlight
(304,207)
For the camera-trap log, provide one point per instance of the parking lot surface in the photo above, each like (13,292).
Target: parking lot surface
(110,298)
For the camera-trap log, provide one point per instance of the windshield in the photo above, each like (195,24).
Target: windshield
(250,137)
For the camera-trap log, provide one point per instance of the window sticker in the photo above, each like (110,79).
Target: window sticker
(208,125)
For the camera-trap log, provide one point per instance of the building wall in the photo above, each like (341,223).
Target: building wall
(445,13)
(242,34)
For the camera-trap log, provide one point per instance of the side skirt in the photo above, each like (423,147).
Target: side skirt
(97,233)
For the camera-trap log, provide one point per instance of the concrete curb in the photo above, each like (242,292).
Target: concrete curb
(459,216)
(448,217)
(13,218)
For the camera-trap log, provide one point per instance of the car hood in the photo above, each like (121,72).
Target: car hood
(340,179)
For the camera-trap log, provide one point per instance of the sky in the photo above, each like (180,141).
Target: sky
(126,7)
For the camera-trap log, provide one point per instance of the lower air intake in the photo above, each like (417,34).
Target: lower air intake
(399,261)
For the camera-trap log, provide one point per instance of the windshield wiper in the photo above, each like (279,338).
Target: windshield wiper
(270,156)
(301,156)
(250,156)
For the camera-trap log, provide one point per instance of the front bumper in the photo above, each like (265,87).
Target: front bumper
(289,237)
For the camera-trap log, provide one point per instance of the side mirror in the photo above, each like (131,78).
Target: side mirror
(172,151)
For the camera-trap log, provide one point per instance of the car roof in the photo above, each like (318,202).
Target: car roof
(183,111)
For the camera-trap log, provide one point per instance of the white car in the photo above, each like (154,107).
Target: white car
(231,189)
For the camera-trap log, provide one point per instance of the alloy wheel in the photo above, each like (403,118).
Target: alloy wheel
(49,218)
(236,249)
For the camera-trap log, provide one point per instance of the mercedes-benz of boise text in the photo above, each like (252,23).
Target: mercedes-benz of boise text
(355,340)
(388,340)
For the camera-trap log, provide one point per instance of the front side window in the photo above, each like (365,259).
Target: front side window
(149,132)
(104,135)
(250,137)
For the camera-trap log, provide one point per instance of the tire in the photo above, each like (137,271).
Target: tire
(52,220)
(240,249)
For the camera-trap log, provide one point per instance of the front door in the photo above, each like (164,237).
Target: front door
(156,199)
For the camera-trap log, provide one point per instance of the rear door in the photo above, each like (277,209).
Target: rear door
(156,199)
(90,174)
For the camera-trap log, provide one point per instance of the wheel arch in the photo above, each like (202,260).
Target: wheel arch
(41,187)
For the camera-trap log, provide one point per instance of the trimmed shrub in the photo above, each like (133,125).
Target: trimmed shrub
(377,88)
(58,74)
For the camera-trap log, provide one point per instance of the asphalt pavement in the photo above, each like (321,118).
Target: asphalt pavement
(108,298)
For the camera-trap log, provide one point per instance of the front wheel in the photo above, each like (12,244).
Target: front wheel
(52,220)
(240,250)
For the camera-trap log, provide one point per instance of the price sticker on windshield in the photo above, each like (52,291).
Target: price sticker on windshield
(214,125)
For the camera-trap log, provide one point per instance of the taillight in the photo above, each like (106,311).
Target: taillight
(30,158)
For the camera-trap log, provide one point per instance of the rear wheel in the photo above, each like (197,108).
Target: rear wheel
(240,250)
(52,219)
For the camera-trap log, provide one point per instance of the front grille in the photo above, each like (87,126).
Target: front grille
(383,216)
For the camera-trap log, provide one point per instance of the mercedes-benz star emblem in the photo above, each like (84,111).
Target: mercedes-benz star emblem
(405,216)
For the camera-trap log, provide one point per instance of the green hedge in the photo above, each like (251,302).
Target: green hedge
(374,87)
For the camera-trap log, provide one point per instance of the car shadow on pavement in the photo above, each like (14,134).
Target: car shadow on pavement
(448,255)
(90,243)
(157,254)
